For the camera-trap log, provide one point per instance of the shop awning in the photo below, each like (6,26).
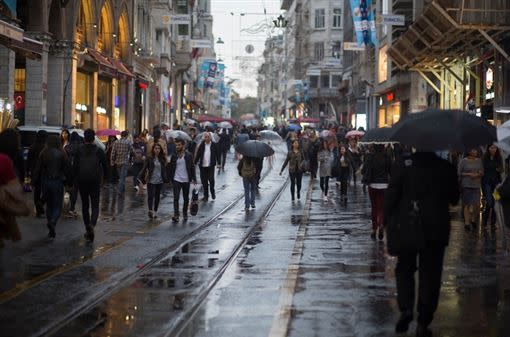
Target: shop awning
(121,68)
(14,38)
(450,30)
(104,64)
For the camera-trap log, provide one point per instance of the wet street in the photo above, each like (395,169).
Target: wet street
(304,268)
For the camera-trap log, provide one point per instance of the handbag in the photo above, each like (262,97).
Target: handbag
(193,209)
(405,234)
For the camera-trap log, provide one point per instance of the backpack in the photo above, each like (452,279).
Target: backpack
(90,166)
(248,170)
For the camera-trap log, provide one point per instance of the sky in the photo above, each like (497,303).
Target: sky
(240,64)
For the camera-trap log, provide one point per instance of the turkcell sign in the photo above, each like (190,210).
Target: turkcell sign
(200,44)
(353,46)
(177,19)
(393,20)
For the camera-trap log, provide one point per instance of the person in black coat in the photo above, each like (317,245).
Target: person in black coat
(181,172)
(207,156)
(224,145)
(33,154)
(420,192)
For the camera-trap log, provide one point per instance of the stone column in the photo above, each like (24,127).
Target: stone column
(93,100)
(7,67)
(418,93)
(130,107)
(36,93)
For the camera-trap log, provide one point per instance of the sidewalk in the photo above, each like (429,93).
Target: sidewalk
(314,271)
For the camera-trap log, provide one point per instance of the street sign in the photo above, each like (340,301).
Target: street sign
(176,19)
(201,44)
(392,20)
(313,72)
(353,46)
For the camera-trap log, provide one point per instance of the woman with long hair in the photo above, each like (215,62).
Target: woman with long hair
(325,159)
(65,138)
(154,170)
(492,168)
(295,160)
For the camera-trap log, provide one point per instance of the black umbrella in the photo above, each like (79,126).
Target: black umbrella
(378,136)
(255,148)
(435,129)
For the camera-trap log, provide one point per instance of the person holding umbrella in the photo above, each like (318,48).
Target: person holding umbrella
(295,161)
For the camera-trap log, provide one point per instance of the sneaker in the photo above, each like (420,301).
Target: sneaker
(325,198)
(213,196)
(253,206)
(51,233)
(381,234)
(403,323)
(298,196)
(89,236)
(185,218)
(247,209)
(372,236)
(137,188)
(175,219)
(151,215)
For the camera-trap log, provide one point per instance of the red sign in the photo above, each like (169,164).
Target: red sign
(390,97)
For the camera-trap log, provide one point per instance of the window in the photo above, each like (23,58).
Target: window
(335,80)
(314,82)
(337,18)
(320,18)
(382,64)
(325,81)
(336,50)
(319,51)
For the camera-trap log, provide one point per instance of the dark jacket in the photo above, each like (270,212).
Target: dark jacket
(295,162)
(433,182)
(33,155)
(148,169)
(215,153)
(99,173)
(52,164)
(504,192)
(190,166)
(224,142)
(492,169)
(377,168)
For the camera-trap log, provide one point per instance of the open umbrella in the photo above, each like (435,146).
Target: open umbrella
(294,127)
(327,134)
(107,132)
(377,136)
(225,125)
(354,134)
(178,134)
(255,148)
(190,121)
(209,125)
(270,135)
(434,129)
(214,137)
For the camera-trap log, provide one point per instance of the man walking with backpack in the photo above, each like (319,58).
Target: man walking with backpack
(248,170)
(90,168)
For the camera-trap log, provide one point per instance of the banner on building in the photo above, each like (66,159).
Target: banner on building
(202,76)
(11,4)
(364,21)
(211,74)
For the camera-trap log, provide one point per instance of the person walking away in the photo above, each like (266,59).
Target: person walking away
(12,198)
(138,161)
(33,154)
(325,159)
(295,161)
(90,169)
(181,172)
(492,168)
(224,147)
(155,171)
(471,172)
(71,150)
(52,170)
(242,138)
(207,157)
(247,169)
(428,185)
(170,147)
(378,169)
(344,171)
(121,153)
(355,156)
(112,172)
(315,147)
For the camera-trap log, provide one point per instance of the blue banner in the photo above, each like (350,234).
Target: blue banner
(204,69)
(211,74)
(12,5)
(364,21)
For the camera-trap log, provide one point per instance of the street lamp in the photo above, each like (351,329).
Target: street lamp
(220,41)
(280,22)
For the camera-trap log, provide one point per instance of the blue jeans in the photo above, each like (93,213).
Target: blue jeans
(122,170)
(53,190)
(250,185)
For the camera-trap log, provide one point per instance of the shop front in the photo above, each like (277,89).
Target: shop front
(83,106)
(389,110)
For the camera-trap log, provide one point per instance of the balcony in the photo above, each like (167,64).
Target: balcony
(324,92)
(181,54)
